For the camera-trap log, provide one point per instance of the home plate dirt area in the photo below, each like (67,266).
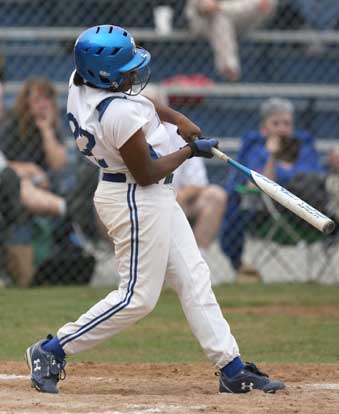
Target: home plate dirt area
(114,388)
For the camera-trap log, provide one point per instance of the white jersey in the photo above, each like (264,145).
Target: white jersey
(102,122)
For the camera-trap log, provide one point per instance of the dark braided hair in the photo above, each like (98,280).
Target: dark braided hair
(78,80)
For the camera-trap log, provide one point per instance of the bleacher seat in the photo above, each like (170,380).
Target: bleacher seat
(299,66)
(262,62)
(56,68)
(85,13)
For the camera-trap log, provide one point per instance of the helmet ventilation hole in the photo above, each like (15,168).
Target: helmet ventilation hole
(110,29)
(115,51)
(99,50)
(125,33)
(103,79)
(98,30)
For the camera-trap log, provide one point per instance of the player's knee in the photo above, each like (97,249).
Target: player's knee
(145,308)
(145,304)
(149,306)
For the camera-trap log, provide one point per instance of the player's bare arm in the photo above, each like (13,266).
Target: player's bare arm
(145,170)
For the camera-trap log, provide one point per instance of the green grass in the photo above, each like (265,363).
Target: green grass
(275,333)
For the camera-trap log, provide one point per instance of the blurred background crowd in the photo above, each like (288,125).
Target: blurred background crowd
(260,75)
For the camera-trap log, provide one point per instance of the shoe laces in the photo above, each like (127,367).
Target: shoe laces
(57,367)
(62,374)
(250,366)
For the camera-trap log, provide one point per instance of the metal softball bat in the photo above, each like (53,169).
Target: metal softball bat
(282,196)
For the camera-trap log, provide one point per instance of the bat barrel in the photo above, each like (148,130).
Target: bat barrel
(294,203)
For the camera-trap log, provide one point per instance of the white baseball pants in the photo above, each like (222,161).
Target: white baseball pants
(153,242)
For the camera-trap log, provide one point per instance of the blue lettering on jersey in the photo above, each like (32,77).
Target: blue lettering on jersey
(78,133)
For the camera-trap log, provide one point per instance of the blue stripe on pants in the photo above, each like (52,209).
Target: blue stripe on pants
(133,273)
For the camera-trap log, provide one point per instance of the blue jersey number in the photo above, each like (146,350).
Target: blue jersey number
(78,132)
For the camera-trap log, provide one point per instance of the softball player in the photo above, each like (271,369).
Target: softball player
(123,133)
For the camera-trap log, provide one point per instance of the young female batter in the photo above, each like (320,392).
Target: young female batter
(124,134)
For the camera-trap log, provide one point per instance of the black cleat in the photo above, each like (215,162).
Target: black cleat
(45,369)
(250,378)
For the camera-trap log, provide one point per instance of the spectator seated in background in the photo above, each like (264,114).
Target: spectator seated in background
(280,153)
(223,21)
(203,203)
(31,139)
(32,143)
(20,198)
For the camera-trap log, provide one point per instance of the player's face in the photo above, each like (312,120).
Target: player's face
(39,103)
(278,125)
(129,79)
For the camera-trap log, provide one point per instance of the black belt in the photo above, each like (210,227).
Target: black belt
(114,178)
(121,178)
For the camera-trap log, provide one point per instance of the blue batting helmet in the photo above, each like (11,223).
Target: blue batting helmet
(103,53)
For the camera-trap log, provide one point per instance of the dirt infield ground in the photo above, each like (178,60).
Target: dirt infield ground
(167,388)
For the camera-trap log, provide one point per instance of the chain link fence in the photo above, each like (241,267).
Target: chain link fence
(49,230)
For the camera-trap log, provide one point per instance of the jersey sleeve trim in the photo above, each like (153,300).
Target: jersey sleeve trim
(103,105)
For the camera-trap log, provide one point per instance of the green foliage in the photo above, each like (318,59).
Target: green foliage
(272,323)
